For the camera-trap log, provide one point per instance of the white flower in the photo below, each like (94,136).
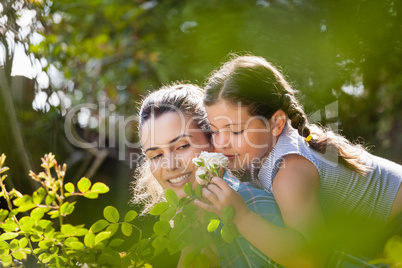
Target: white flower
(200,174)
(208,165)
(213,160)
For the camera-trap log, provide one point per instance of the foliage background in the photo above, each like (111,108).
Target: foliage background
(344,57)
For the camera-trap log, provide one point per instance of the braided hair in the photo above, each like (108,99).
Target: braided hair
(257,84)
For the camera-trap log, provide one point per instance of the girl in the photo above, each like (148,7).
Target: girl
(257,122)
(173,130)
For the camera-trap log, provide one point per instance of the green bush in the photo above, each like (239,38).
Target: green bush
(35,225)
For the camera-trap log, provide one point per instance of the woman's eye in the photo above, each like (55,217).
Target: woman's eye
(214,132)
(183,147)
(238,132)
(156,157)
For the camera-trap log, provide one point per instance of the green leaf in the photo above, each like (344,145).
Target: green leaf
(161,228)
(201,261)
(45,244)
(3,214)
(44,224)
(49,199)
(189,259)
(159,208)
(38,213)
(53,214)
(198,191)
(168,214)
(69,187)
(189,209)
(227,214)
(84,184)
(213,225)
(112,228)
(10,226)
(130,216)
(67,208)
(18,255)
(68,229)
(23,242)
(171,197)
(76,245)
(24,203)
(99,187)
(174,246)
(91,195)
(89,240)
(188,189)
(39,195)
(8,236)
(116,242)
(111,214)
(159,244)
(99,226)
(229,233)
(102,236)
(126,228)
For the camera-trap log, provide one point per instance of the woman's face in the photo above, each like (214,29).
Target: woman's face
(170,142)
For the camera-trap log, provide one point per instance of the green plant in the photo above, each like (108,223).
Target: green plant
(191,227)
(392,254)
(34,225)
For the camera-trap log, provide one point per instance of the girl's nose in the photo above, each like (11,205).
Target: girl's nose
(222,140)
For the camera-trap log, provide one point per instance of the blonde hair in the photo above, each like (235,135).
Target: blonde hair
(185,98)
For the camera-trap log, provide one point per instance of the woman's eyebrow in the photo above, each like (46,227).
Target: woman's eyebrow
(170,142)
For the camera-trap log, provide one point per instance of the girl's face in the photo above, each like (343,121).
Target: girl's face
(170,142)
(244,139)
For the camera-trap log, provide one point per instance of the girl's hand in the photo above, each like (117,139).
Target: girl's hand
(219,195)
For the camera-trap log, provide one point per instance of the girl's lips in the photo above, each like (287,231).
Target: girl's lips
(230,156)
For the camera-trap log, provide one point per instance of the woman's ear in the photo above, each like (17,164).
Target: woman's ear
(278,122)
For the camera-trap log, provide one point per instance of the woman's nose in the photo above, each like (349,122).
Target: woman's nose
(172,162)
(222,140)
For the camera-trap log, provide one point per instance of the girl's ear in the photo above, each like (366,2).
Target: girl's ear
(278,122)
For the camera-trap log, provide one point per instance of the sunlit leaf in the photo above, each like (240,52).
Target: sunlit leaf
(213,225)
(161,228)
(171,197)
(83,185)
(126,228)
(130,216)
(111,214)
(159,208)
(99,226)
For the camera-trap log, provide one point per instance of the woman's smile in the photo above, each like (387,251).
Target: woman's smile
(179,180)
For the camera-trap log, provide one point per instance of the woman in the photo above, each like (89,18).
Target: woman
(173,130)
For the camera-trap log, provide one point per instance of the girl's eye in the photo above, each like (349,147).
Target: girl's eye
(185,146)
(214,132)
(238,132)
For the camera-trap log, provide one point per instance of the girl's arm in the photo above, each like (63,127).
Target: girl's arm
(295,190)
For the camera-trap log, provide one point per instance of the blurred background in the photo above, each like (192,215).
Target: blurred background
(72,72)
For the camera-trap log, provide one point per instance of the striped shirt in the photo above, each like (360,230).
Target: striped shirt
(242,254)
(345,196)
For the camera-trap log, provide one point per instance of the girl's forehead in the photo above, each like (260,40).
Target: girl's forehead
(229,112)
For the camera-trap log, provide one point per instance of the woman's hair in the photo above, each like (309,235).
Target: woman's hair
(181,98)
(258,85)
